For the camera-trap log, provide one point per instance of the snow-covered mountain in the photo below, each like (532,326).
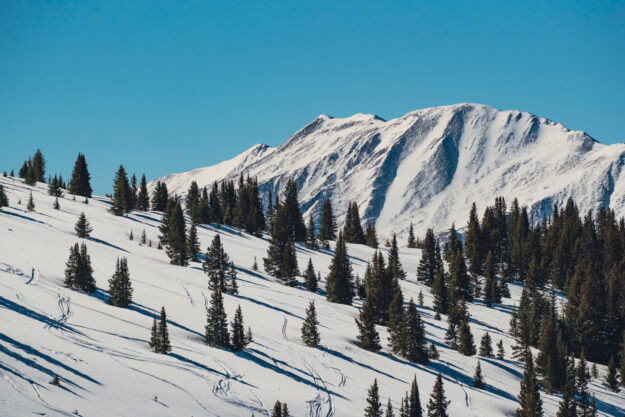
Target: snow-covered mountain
(106,368)
(430,165)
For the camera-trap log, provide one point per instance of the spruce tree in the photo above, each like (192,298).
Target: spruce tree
(217,321)
(132,198)
(31,203)
(610,379)
(277,409)
(310,333)
(339,280)
(415,346)
(56,204)
(175,240)
(490,285)
(165,347)
(459,282)
(440,292)
(437,406)
(39,166)
(82,228)
(465,339)
(412,242)
(389,409)
(281,260)
(232,286)
(311,236)
(311,277)
(582,377)
(486,349)
(413,401)
(238,331)
(551,360)
(293,216)
(327,223)
(500,350)
(478,378)
(433,352)
(394,267)
(155,337)
(368,336)
(352,230)
(529,395)
(216,265)
(4,200)
(371,237)
(420,297)
(160,196)
(568,407)
(80,182)
(143,198)
(374,406)
(396,324)
(430,263)
(122,199)
(192,202)
(120,288)
(72,267)
(193,245)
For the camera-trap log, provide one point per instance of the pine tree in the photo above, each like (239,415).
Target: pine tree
(415,346)
(582,377)
(144,238)
(395,270)
(192,202)
(352,230)
(396,323)
(433,352)
(610,380)
(437,406)
(311,277)
(82,228)
(155,337)
(285,410)
(486,349)
(217,321)
(78,271)
(500,350)
(293,217)
(56,204)
(165,347)
(281,260)
(311,236)
(459,282)
(413,401)
(371,236)
(440,292)
(143,198)
(249,337)
(490,286)
(339,280)
(277,409)
(289,268)
(412,242)
(374,407)
(529,395)
(216,264)
(420,297)
(368,336)
(193,245)
(132,197)
(31,203)
(478,378)
(175,240)
(120,288)
(122,200)
(465,339)
(389,409)
(4,200)
(232,286)
(160,197)
(551,360)
(310,333)
(238,331)
(430,263)
(327,223)
(54,187)
(72,267)
(568,407)
(131,235)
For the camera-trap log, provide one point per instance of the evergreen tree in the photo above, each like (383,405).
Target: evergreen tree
(420,297)
(413,401)
(31,203)
(327,224)
(54,187)
(430,263)
(82,228)
(368,336)
(72,267)
(4,200)
(293,217)
(490,285)
(120,288)
(374,407)
(352,231)
(193,245)
(415,346)
(285,410)
(486,349)
(23,170)
(39,166)
(155,337)
(500,350)
(144,238)
(175,240)
(371,237)
(529,395)
(465,339)
(610,380)
(568,407)
(281,260)
(396,323)
(238,331)
(277,409)
(232,286)
(395,270)
(311,237)
(412,242)
(478,378)
(433,352)
(249,338)
(143,198)
(437,406)
(122,200)
(80,182)
(551,360)
(339,280)
(582,377)
(215,213)
(160,196)
(56,204)
(78,272)
(192,202)
(389,409)
(216,265)
(165,346)
(460,285)
(311,277)
(440,292)
(132,199)
(217,321)
(310,333)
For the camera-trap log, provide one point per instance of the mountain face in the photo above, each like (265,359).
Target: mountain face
(428,166)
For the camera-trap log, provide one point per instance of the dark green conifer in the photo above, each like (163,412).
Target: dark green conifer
(217,321)
(56,204)
(568,407)
(374,406)
(371,237)
(216,265)
(238,331)
(143,198)
(39,166)
(193,244)
(339,280)
(155,337)
(529,395)
(412,242)
(30,206)
(352,231)
(500,350)
(122,199)
(327,223)
(440,292)
(610,379)
(437,406)
(430,263)
(165,346)
(160,197)
(310,332)
(120,288)
(486,349)
(415,345)
(311,236)
(478,378)
(82,228)
(176,239)
(368,336)
(311,277)
(396,323)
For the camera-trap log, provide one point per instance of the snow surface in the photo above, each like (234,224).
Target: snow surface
(428,166)
(101,352)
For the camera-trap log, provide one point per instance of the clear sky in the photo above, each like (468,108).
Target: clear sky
(168,86)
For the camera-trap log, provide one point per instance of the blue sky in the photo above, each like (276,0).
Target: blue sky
(166,86)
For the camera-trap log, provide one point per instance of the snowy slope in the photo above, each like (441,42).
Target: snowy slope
(102,356)
(430,165)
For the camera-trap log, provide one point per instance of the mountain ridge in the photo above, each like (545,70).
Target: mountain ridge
(429,165)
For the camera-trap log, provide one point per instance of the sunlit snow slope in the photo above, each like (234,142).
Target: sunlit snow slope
(101,352)
(428,166)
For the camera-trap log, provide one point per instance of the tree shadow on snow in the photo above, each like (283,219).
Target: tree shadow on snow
(25,311)
(348,359)
(105,243)
(261,303)
(21,216)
